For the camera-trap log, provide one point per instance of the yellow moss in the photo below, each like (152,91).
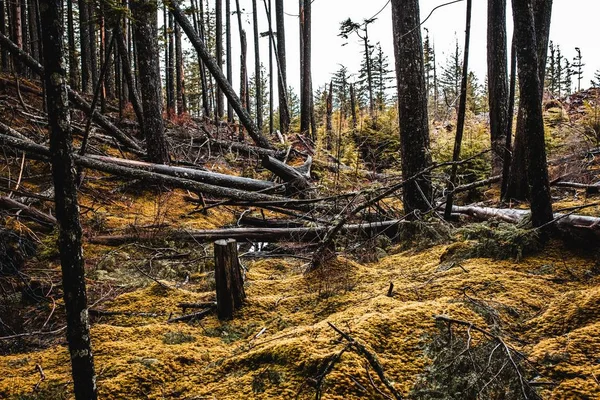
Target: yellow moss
(280,338)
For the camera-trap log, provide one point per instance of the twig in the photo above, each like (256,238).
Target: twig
(193,316)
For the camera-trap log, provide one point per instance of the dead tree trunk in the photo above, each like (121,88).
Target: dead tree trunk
(215,70)
(530,91)
(306,94)
(229,279)
(128,75)
(284,112)
(146,38)
(179,73)
(67,209)
(462,109)
(497,80)
(219,55)
(257,89)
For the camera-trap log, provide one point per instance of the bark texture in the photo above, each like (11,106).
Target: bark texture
(497,80)
(412,103)
(518,188)
(284,112)
(146,37)
(67,209)
(530,88)
(229,279)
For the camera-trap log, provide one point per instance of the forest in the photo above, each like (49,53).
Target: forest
(181,219)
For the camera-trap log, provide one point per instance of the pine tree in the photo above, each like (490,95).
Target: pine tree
(567,77)
(382,77)
(450,77)
(260,87)
(578,67)
(551,69)
(341,87)
(596,81)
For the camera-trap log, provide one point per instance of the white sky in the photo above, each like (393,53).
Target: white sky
(573,25)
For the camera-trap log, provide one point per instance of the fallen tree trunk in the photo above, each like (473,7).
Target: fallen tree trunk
(212,178)
(33,213)
(75,97)
(562,221)
(589,189)
(146,176)
(221,80)
(272,235)
(296,179)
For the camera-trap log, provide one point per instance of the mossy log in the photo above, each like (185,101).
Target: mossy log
(229,279)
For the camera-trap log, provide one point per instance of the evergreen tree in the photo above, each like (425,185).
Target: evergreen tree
(382,77)
(596,81)
(551,69)
(429,61)
(451,76)
(260,86)
(578,67)
(567,76)
(341,90)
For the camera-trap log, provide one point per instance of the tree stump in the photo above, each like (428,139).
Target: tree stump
(228,277)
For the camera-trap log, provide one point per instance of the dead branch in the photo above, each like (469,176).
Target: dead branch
(194,316)
(371,358)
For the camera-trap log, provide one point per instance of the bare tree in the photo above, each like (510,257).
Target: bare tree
(530,87)
(412,104)
(284,112)
(144,15)
(497,80)
(306,93)
(67,209)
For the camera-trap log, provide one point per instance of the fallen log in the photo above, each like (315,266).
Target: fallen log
(192,317)
(297,179)
(77,100)
(589,189)
(33,213)
(563,221)
(271,235)
(146,176)
(212,178)
(268,223)
(226,145)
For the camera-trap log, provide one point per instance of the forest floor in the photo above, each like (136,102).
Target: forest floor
(539,307)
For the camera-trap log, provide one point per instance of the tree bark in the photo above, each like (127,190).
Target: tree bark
(179,73)
(67,209)
(170,70)
(257,74)
(284,112)
(219,55)
(518,188)
(213,67)
(306,94)
(129,78)
(508,154)
(92,43)
(497,80)
(229,61)
(73,62)
(3,52)
(228,277)
(412,103)
(146,37)
(530,89)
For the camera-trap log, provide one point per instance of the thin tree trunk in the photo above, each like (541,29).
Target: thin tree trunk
(271,107)
(25,33)
(305,98)
(67,209)
(257,88)
(17,33)
(412,104)
(329,116)
(530,89)
(497,81)
(33,29)
(219,55)
(284,111)
(93,44)
(462,109)
(179,73)
(509,126)
(229,55)
(84,39)
(203,80)
(353,106)
(146,37)
(109,79)
(73,62)
(129,82)
(171,97)
(243,58)
(3,52)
